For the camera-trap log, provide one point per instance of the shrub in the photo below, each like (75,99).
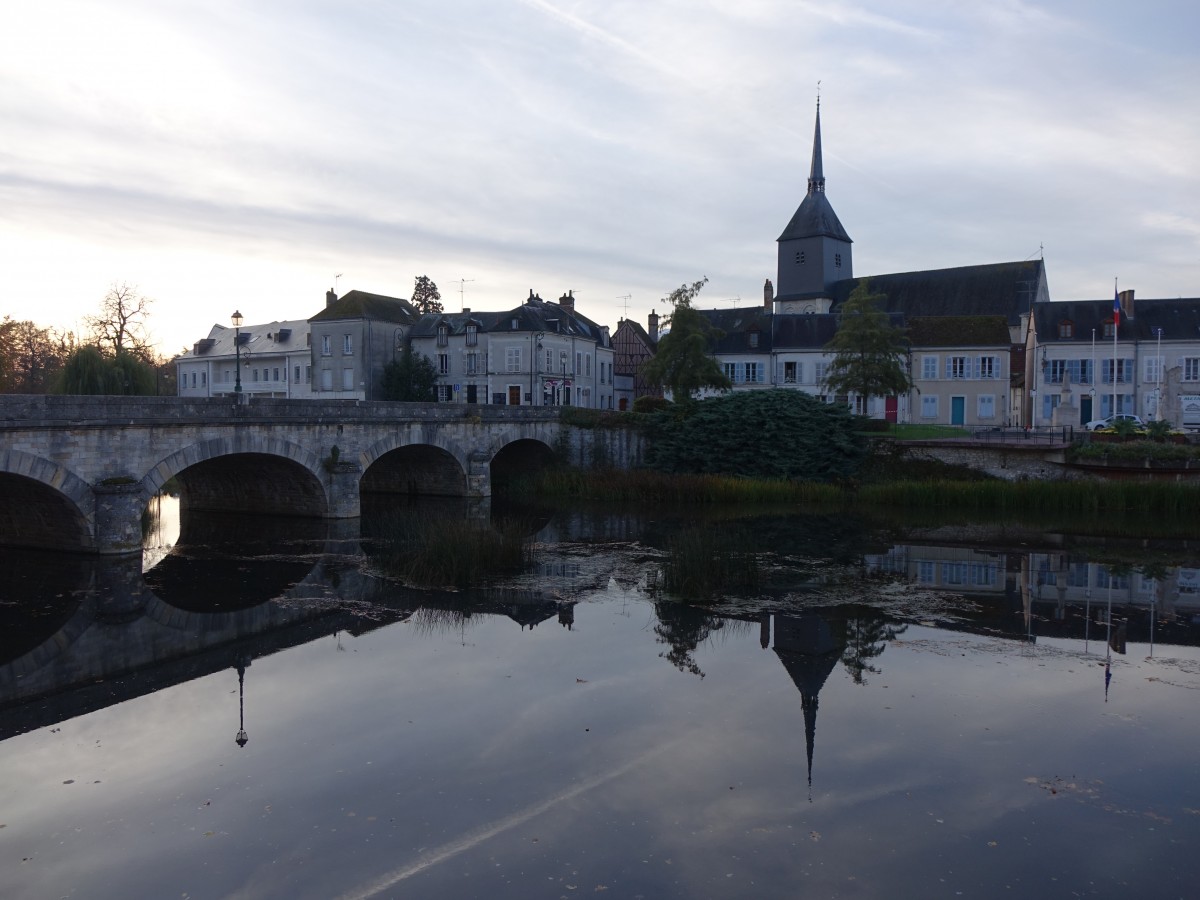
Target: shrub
(650,404)
(775,434)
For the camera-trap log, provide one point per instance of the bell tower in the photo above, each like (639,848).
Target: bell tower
(814,249)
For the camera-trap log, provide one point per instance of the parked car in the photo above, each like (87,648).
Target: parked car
(1110,421)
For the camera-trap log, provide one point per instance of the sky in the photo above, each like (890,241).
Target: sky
(251,154)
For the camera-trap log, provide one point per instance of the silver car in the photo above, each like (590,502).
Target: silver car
(1097,424)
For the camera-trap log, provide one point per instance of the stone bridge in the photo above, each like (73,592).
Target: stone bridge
(76,473)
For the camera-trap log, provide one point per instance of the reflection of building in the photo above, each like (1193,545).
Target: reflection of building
(809,649)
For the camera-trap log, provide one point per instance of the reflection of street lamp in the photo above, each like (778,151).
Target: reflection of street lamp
(236,318)
(242,738)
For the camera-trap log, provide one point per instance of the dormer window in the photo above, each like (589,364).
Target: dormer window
(472,335)
(1066,330)
(1109,328)
(443,335)
(753,339)
(514,324)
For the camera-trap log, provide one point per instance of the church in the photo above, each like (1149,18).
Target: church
(968,327)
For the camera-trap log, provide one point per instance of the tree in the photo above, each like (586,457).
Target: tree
(425,296)
(869,351)
(682,363)
(412,377)
(30,356)
(120,325)
(89,370)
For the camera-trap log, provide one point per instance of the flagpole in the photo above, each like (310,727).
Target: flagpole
(1116,327)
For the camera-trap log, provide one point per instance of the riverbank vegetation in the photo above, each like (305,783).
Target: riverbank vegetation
(454,552)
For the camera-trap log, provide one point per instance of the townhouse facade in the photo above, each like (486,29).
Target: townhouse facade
(276,361)
(537,354)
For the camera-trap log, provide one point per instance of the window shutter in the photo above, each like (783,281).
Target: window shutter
(949,367)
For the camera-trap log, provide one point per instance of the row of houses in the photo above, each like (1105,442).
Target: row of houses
(986,345)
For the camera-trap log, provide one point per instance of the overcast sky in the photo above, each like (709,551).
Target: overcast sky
(238,154)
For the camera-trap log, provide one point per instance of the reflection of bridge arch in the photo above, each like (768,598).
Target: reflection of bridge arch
(44,504)
(242,473)
(515,458)
(395,466)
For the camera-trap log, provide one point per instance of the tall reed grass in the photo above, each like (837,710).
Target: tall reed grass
(702,563)
(441,552)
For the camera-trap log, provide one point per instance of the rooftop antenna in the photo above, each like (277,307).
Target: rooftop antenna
(626,298)
(335,278)
(462,283)
(734,300)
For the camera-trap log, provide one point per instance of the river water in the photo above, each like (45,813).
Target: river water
(949,709)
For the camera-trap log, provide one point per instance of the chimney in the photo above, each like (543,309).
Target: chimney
(768,296)
(567,300)
(652,321)
(330,298)
(1127,303)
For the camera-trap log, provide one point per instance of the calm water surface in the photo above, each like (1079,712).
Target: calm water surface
(262,715)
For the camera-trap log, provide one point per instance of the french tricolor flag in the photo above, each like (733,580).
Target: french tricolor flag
(1116,309)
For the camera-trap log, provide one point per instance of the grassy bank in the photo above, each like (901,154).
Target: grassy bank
(1057,497)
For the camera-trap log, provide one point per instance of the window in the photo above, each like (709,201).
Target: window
(347,345)
(308,374)
(1153,368)
(1191,368)
(1124,371)
(193,379)
(925,571)
(1066,330)
(731,372)
(819,370)
(347,379)
(514,324)
(799,257)
(325,351)
(929,406)
(578,363)
(443,336)
(753,339)
(254,373)
(472,335)
(989,367)
(790,370)
(443,363)
(587,365)
(929,367)
(982,574)
(472,363)
(987,406)
(275,374)
(837,260)
(327,379)
(954,573)
(549,360)
(1109,328)
(512,359)
(444,393)
(296,379)
(1058,368)
(754,373)
(956,367)
(203,378)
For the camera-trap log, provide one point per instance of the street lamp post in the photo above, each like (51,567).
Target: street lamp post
(236,318)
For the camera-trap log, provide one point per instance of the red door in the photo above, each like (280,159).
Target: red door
(889,409)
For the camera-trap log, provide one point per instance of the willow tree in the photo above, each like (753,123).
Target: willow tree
(870,353)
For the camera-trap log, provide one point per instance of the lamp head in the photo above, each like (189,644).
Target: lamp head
(236,318)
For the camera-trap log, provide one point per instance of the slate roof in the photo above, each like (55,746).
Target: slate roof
(802,332)
(735,324)
(998,289)
(957,331)
(535,314)
(272,337)
(814,218)
(1179,320)
(363,305)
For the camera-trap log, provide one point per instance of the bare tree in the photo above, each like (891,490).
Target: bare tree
(121,325)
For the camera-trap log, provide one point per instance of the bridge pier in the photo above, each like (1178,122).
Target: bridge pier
(479,474)
(119,505)
(343,485)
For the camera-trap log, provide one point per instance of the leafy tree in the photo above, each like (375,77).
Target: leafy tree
(120,325)
(763,434)
(869,351)
(425,296)
(412,377)
(682,363)
(30,356)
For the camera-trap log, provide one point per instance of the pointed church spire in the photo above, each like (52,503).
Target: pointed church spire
(816,176)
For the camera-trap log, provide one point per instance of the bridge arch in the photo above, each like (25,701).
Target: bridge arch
(247,472)
(44,504)
(397,466)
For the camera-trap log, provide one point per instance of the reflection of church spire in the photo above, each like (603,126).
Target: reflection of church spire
(809,650)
